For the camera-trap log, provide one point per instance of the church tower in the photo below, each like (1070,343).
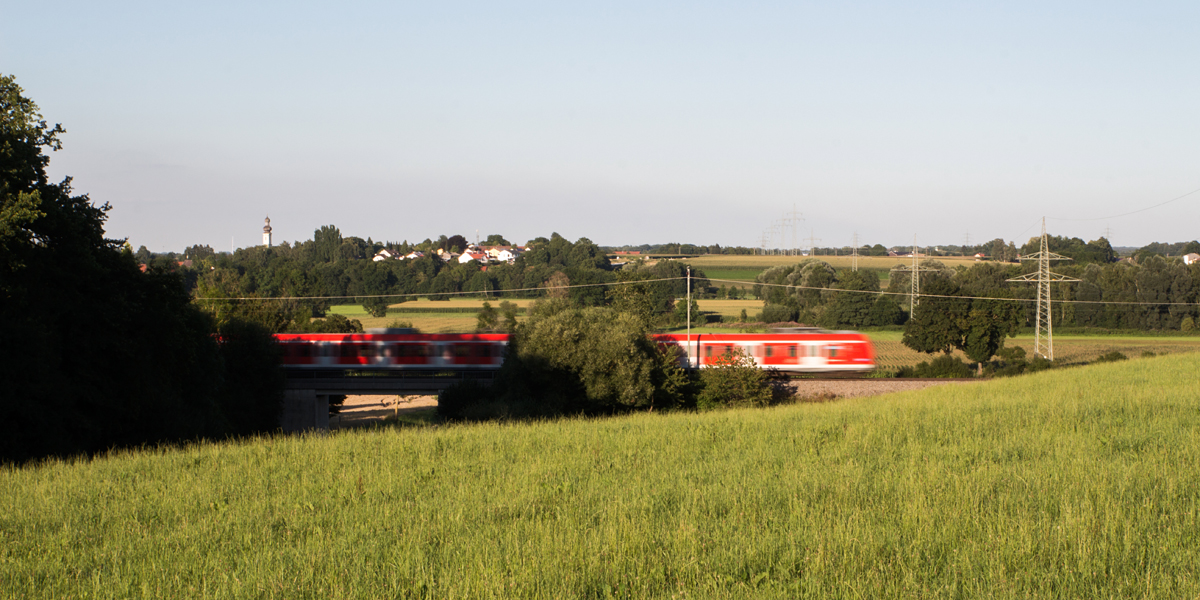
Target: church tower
(267,233)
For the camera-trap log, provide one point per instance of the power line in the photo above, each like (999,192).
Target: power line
(1134,212)
(883,293)
(711,280)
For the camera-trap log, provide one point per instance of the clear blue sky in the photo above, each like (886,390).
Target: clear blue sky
(624,122)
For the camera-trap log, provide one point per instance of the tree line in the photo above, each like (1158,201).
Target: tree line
(331,267)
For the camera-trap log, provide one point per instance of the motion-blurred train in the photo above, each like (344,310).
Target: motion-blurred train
(801,350)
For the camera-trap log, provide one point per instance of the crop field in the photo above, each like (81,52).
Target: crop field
(1065,484)
(892,354)
(448,316)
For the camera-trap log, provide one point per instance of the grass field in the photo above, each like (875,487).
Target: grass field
(1065,484)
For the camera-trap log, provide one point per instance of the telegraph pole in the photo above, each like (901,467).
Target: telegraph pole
(1044,345)
(689,315)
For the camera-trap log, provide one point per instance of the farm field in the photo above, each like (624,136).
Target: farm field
(447,316)
(1076,483)
(892,354)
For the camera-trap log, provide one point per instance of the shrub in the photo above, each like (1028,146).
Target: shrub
(1113,356)
(733,380)
(946,365)
(778,313)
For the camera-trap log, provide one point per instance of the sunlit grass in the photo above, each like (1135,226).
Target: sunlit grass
(1076,483)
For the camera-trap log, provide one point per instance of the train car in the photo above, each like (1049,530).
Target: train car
(392,350)
(802,350)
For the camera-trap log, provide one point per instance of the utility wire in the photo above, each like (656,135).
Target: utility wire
(881,293)
(427,294)
(735,281)
(1134,212)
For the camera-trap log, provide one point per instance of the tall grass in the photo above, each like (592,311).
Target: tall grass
(1077,483)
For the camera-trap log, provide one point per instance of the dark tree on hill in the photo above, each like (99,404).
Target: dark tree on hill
(140,364)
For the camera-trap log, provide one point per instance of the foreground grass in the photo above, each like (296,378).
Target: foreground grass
(1078,483)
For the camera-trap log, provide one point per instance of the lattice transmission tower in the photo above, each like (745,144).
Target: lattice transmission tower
(794,218)
(854,253)
(1043,345)
(914,277)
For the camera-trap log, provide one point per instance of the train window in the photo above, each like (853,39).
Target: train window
(481,350)
(349,351)
(833,351)
(708,351)
(770,351)
(304,350)
(366,351)
(792,351)
(462,350)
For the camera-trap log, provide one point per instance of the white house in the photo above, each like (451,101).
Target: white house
(415,254)
(1190,258)
(383,254)
(470,256)
(507,255)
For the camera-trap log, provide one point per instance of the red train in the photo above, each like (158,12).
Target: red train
(804,350)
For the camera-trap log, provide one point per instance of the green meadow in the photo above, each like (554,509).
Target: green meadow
(1075,483)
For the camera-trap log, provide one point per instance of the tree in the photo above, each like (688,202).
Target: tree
(571,359)
(937,325)
(485,319)
(508,314)
(942,324)
(142,364)
(496,240)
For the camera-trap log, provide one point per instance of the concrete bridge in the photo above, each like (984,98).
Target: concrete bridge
(307,391)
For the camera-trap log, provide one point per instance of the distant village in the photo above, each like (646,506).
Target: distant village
(473,253)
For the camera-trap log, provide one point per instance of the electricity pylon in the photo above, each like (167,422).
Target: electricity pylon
(794,218)
(812,243)
(914,277)
(854,255)
(1044,345)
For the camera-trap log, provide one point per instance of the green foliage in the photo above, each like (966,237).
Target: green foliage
(733,380)
(508,316)
(944,366)
(679,316)
(1187,324)
(885,312)
(376,307)
(778,313)
(568,360)
(945,322)
(486,319)
(852,308)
